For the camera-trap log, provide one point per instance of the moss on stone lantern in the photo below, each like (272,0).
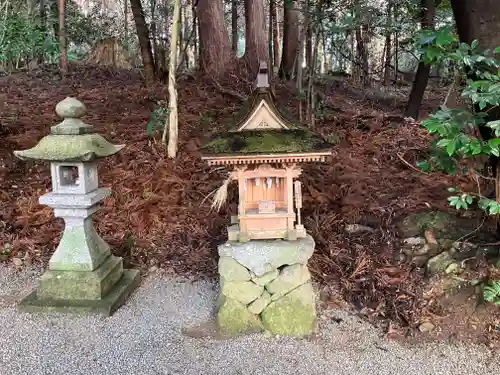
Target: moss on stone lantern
(83,275)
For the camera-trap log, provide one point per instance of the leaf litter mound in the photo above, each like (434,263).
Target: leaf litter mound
(159,214)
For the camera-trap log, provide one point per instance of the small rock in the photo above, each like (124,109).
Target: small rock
(453,268)
(430,237)
(446,243)
(231,270)
(234,318)
(424,250)
(244,292)
(17,262)
(260,303)
(289,278)
(463,250)
(357,228)
(439,262)
(265,279)
(414,241)
(292,315)
(426,327)
(420,260)
(27,260)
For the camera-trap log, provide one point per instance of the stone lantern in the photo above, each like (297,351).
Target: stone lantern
(265,282)
(82,275)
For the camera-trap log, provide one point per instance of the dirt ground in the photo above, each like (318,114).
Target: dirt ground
(158,216)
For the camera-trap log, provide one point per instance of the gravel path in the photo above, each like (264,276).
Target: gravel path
(145,337)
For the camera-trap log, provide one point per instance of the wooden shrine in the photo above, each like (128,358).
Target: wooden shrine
(265,147)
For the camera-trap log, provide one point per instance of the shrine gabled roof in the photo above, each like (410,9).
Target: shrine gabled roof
(261,127)
(252,104)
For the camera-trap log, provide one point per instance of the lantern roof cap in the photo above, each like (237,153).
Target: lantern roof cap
(70,140)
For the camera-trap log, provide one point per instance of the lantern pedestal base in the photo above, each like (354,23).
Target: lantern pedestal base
(106,306)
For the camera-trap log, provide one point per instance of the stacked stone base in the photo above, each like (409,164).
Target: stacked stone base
(266,285)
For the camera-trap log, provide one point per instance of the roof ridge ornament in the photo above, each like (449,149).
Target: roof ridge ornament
(262,76)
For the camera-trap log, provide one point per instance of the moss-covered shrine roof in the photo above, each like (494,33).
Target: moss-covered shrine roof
(298,138)
(266,142)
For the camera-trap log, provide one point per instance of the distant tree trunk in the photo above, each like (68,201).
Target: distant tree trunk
(309,36)
(428,9)
(157,56)
(43,25)
(125,15)
(196,51)
(234,25)
(144,42)
(275,29)
(256,46)
(362,54)
(62,38)
(388,47)
(290,38)
(215,46)
(43,15)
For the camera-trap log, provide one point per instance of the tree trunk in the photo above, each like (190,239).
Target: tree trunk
(388,47)
(422,77)
(275,29)
(215,46)
(125,16)
(234,26)
(480,19)
(43,25)
(309,36)
(256,46)
(144,42)
(156,53)
(290,38)
(196,52)
(62,38)
(173,122)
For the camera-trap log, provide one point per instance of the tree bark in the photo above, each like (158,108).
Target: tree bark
(480,19)
(173,122)
(290,38)
(275,29)
(157,56)
(125,16)
(144,42)
(309,36)
(422,77)
(215,46)
(256,45)
(388,47)
(362,54)
(234,26)
(62,38)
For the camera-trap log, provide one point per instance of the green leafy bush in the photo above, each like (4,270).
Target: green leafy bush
(24,40)
(456,128)
(491,292)
(157,120)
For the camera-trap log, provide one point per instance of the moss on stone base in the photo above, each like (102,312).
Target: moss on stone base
(293,314)
(234,318)
(105,306)
(81,285)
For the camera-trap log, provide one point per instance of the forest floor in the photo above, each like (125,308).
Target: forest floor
(158,217)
